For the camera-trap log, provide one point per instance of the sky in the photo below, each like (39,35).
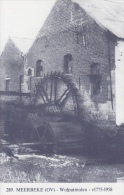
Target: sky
(22,19)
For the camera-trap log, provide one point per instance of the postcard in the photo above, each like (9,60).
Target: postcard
(61,97)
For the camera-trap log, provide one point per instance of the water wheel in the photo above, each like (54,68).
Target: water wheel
(58,94)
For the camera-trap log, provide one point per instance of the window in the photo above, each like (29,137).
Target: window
(95,78)
(68,64)
(94,68)
(39,68)
(7,84)
(79,33)
(29,72)
(21,80)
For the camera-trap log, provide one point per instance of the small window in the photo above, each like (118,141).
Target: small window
(39,68)
(21,79)
(95,78)
(94,68)
(7,84)
(29,72)
(95,86)
(68,64)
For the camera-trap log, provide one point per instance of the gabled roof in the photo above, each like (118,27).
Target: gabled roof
(58,18)
(10,44)
(22,45)
(108,13)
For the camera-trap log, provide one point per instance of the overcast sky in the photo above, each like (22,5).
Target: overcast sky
(22,18)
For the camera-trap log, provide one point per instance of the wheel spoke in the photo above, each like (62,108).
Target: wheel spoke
(42,96)
(55,89)
(51,88)
(57,93)
(64,96)
(45,94)
(74,104)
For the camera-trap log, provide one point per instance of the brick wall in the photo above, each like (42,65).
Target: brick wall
(57,38)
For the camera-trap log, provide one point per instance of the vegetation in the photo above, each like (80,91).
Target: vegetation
(15,175)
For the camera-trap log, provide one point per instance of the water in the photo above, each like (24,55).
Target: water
(60,168)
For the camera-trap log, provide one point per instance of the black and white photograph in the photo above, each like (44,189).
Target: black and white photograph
(62,91)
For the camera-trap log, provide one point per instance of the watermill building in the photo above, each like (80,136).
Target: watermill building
(84,41)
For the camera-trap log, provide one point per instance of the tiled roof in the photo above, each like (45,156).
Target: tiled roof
(107,13)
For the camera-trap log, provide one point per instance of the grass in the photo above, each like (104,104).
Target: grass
(14,175)
(57,168)
(17,176)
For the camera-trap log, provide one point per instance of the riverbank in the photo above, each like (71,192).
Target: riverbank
(58,168)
